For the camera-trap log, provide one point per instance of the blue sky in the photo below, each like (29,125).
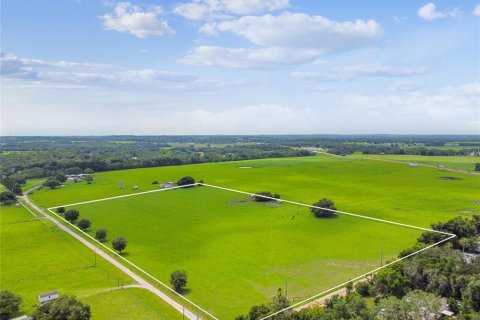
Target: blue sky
(240,67)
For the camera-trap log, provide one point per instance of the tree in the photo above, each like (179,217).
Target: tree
(88,171)
(477,166)
(119,243)
(471,295)
(7,198)
(258,312)
(186,181)
(64,308)
(178,280)
(72,215)
(60,176)
(89,179)
(52,183)
(323,208)
(101,234)
(9,304)
(84,224)
(17,189)
(468,244)
(415,305)
(61,209)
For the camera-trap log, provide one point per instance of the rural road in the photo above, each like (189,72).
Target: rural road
(321,301)
(141,281)
(405,162)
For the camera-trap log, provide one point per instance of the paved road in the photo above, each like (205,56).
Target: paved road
(141,281)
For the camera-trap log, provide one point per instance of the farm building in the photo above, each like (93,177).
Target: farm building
(47,296)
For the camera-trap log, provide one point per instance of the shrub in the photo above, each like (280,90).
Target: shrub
(186,181)
(61,210)
(324,208)
(84,224)
(178,280)
(101,234)
(71,215)
(9,304)
(119,243)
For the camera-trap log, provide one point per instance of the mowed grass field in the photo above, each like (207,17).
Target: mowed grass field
(392,191)
(238,252)
(36,257)
(466,163)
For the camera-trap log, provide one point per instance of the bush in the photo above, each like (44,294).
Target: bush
(84,224)
(260,196)
(61,210)
(362,288)
(9,304)
(71,215)
(88,171)
(186,181)
(52,183)
(324,208)
(155,182)
(64,307)
(101,234)
(178,280)
(7,198)
(119,243)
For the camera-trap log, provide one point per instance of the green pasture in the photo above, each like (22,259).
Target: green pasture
(466,163)
(392,191)
(128,304)
(237,252)
(37,257)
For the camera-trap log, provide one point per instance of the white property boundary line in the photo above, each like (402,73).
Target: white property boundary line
(450,236)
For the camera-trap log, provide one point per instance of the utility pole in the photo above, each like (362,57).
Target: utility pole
(286,287)
(381,258)
(95,258)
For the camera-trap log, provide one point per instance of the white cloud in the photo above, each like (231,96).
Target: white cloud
(429,12)
(359,70)
(131,19)
(476,10)
(284,40)
(445,102)
(260,58)
(215,9)
(301,31)
(65,73)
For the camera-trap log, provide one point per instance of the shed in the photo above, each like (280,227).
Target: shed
(47,296)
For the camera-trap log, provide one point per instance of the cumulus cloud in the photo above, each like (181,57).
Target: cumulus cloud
(429,12)
(476,10)
(215,9)
(133,20)
(360,70)
(284,40)
(300,30)
(260,58)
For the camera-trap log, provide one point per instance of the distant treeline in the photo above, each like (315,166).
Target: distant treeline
(40,157)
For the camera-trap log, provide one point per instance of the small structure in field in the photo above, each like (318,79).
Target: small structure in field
(413,164)
(48,296)
(24,317)
(168,184)
(135,187)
